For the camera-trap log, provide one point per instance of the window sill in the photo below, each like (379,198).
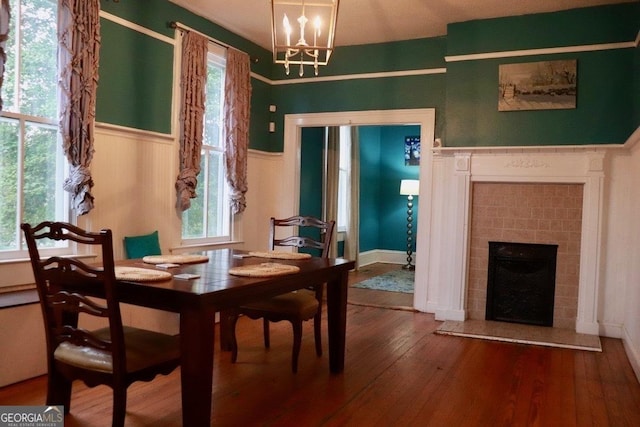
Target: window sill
(9,261)
(205,246)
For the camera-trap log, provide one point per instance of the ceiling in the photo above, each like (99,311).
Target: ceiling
(376,21)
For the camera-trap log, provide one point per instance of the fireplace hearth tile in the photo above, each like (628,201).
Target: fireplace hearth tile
(522,334)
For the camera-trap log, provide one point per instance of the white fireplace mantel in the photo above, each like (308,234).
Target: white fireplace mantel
(445,270)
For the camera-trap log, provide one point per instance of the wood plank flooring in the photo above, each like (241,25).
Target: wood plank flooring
(397,373)
(374,298)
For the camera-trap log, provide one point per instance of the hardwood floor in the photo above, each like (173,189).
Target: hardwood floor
(374,298)
(397,373)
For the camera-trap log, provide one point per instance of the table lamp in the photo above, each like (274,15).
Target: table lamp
(409,188)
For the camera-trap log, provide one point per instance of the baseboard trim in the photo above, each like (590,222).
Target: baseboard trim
(633,352)
(611,330)
(383,256)
(457,315)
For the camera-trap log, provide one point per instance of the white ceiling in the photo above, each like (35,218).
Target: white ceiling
(375,21)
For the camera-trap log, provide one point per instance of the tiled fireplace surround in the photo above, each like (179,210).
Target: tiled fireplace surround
(527,213)
(535,195)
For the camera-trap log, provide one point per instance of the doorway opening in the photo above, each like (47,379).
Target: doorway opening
(425,118)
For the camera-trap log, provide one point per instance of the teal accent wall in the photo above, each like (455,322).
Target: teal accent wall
(575,27)
(135,81)
(605,104)
(156,15)
(259,135)
(603,114)
(383,211)
(369,187)
(311,161)
(392,207)
(136,70)
(405,55)
(427,91)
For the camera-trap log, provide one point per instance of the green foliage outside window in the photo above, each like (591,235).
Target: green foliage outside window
(31,163)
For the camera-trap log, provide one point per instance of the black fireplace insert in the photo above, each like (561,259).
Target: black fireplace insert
(521,283)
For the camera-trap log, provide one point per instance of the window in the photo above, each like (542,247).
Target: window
(32,165)
(208,220)
(344,178)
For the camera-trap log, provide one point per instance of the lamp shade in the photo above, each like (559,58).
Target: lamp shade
(409,187)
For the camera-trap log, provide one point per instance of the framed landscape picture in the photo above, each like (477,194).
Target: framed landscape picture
(544,85)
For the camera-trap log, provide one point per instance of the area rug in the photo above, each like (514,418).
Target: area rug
(393,281)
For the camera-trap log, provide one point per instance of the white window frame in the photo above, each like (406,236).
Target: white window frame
(216,57)
(62,208)
(344,179)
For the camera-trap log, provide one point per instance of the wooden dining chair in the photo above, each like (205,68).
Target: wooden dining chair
(295,307)
(69,290)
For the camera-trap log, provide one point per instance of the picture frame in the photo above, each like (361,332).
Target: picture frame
(542,85)
(412,150)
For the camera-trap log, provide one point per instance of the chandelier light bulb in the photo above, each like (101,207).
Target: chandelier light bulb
(287,28)
(303,22)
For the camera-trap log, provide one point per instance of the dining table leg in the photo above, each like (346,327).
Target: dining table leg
(337,320)
(225,331)
(197,334)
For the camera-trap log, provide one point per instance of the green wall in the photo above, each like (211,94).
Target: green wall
(369,187)
(603,114)
(584,26)
(135,77)
(605,104)
(136,70)
(392,207)
(383,93)
(311,161)
(426,91)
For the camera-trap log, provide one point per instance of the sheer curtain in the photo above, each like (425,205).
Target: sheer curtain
(343,140)
(236,125)
(78,58)
(193,82)
(352,238)
(5,16)
(331,180)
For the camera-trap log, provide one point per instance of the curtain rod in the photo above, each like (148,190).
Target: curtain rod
(180,26)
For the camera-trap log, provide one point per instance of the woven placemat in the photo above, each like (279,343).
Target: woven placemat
(138,274)
(280,255)
(266,269)
(175,259)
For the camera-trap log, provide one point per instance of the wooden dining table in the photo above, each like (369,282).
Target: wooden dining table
(215,290)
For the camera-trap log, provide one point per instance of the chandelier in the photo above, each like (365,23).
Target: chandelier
(315,30)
